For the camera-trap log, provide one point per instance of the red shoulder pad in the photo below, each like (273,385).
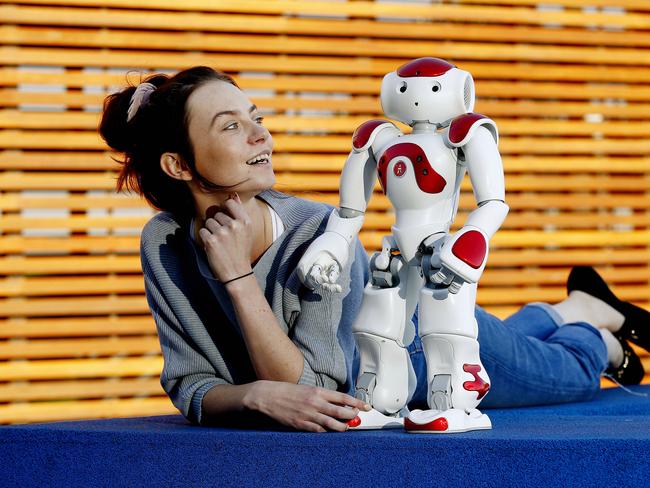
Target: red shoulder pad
(364,134)
(461,128)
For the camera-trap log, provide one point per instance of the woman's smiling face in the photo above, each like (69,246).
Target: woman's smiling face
(231,147)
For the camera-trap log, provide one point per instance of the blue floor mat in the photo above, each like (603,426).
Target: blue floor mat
(601,443)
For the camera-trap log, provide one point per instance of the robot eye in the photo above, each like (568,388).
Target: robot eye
(436,87)
(402,87)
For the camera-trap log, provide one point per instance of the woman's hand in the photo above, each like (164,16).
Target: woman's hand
(228,240)
(304,407)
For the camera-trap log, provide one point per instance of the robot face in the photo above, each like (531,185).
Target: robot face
(427,90)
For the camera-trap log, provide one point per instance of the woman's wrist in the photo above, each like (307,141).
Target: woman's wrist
(238,277)
(250,400)
(239,282)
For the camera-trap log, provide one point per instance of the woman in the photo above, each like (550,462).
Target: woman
(239,334)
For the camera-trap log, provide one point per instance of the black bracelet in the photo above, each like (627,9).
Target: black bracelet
(238,278)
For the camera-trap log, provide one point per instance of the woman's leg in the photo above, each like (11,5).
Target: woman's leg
(531,360)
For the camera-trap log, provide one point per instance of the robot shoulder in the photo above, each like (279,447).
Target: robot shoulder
(462,128)
(364,136)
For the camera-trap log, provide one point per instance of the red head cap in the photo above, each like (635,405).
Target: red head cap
(424,67)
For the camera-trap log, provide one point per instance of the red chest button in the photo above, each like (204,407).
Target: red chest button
(399,169)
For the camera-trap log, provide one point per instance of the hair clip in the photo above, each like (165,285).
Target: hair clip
(139,98)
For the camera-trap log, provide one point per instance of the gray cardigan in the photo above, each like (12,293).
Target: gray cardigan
(199,336)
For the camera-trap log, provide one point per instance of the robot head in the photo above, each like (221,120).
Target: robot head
(427,90)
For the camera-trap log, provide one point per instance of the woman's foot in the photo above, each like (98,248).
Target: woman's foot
(636,325)
(630,372)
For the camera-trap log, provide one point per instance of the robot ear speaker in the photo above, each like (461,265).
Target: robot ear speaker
(468,93)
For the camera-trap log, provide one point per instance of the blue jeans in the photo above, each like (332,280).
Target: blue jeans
(530,359)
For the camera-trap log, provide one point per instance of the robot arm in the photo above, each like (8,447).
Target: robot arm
(327,254)
(463,255)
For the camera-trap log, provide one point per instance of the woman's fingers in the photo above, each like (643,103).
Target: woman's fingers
(223,219)
(330,423)
(212,225)
(236,209)
(345,400)
(341,413)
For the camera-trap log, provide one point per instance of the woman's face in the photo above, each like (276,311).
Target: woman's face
(232,148)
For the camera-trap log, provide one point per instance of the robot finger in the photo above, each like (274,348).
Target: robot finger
(334,288)
(439,277)
(314,278)
(454,286)
(333,272)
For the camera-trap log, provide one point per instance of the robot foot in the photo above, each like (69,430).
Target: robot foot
(445,422)
(374,419)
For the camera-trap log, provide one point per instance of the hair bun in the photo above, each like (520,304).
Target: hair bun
(114,127)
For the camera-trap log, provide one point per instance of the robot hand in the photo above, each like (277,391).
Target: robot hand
(460,258)
(324,272)
(321,264)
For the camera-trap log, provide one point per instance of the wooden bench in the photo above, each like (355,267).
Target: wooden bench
(565,80)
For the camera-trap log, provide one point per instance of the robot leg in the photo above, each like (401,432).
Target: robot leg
(386,378)
(456,378)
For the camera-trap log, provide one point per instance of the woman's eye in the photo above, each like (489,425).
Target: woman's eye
(231,126)
(259,119)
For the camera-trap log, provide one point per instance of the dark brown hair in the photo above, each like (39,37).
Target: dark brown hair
(160,125)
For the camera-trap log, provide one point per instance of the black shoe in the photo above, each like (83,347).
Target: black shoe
(636,326)
(630,372)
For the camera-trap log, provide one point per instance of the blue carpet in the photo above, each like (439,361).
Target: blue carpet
(605,442)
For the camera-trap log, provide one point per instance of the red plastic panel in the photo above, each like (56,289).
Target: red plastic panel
(424,67)
(362,135)
(478,384)
(440,424)
(470,248)
(428,180)
(461,125)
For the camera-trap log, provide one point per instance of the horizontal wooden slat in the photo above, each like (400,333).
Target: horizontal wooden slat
(54,369)
(79,348)
(522,295)
(54,286)
(77,327)
(14,201)
(88,409)
(39,286)
(63,306)
(523,145)
(89,161)
(364,105)
(526,255)
(525,219)
(14,119)
(12,55)
(304,84)
(206,22)
(370,9)
(303,45)
(80,389)
(77,306)
(75,244)
(13,181)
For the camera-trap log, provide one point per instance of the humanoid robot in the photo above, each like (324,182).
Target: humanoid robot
(421,264)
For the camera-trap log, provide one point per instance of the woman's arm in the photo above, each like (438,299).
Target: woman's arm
(228,240)
(298,406)
(273,355)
